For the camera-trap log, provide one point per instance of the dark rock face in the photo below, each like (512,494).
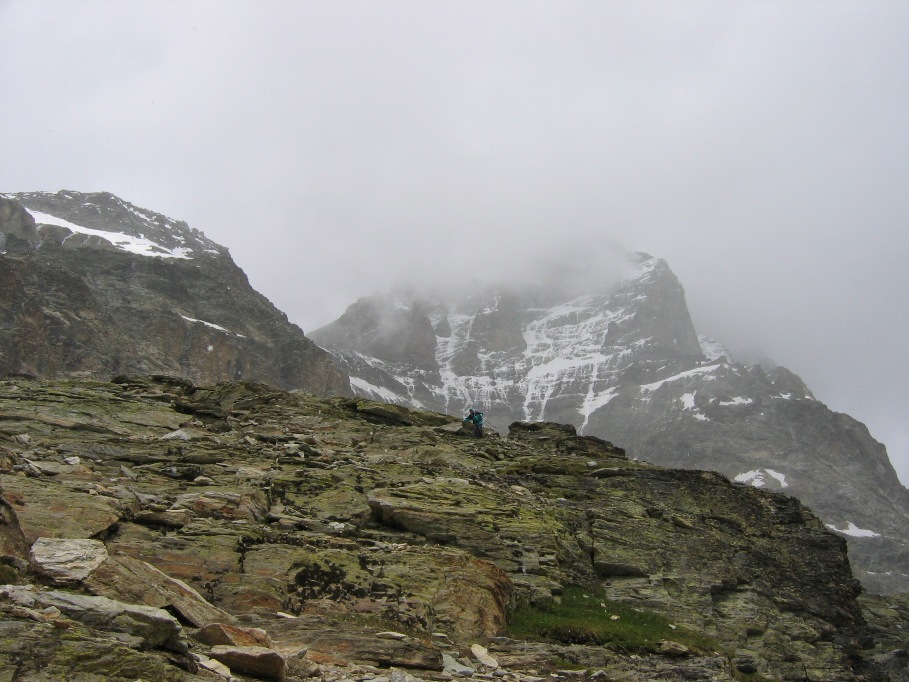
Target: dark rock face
(17,223)
(77,304)
(289,536)
(627,365)
(373,327)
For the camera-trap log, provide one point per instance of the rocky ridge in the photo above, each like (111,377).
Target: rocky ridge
(155,529)
(626,363)
(92,286)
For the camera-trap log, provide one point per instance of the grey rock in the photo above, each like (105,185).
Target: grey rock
(482,655)
(67,561)
(452,666)
(155,628)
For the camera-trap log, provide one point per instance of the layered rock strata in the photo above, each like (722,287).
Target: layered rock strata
(238,529)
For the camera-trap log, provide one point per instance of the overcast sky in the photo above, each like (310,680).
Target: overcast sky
(336,148)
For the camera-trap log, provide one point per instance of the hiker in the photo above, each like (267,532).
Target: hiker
(476,418)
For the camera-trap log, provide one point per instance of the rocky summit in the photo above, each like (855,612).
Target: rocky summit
(626,363)
(158,530)
(92,286)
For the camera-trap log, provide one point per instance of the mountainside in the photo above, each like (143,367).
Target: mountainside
(92,286)
(626,364)
(154,529)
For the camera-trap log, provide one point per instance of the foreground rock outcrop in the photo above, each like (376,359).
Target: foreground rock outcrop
(159,530)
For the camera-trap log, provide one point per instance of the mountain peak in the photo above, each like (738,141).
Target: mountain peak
(103,220)
(95,286)
(624,363)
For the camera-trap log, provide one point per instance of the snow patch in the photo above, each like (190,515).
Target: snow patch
(737,401)
(682,375)
(757,478)
(854,531)
(688,405)
(779,477)
(368,390)
(125,242)
(754,477)
(212,325)
(593,402)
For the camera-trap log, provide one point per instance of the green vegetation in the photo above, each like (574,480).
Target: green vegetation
(751,677)
(9,575)
(585,616)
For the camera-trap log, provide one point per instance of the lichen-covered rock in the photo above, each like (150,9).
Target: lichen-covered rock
(137,582)
(58,508)
(326,528)
(151,627)
(337,644)
(42,652)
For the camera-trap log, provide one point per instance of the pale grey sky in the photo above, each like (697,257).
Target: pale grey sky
(336,148)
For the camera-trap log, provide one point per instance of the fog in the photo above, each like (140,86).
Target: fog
(341,148)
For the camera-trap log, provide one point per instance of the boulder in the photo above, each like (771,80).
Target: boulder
(123,577)
(231,635)
(255,661)
(66,562)
(482,655)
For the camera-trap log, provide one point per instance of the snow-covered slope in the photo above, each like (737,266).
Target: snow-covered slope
(109,221)
(627,365)
(512,357)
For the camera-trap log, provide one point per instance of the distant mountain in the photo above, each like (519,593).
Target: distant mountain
(93,286)
(627,365)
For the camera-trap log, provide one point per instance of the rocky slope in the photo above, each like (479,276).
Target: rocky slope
(91,286)
(153,529)
(626,364)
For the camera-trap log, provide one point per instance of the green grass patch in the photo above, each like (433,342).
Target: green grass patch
(585,616)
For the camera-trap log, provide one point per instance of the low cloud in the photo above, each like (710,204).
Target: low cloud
(340,148)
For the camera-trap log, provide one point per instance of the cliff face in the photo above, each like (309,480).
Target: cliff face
(626,364)
(288,536)
(92,286)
